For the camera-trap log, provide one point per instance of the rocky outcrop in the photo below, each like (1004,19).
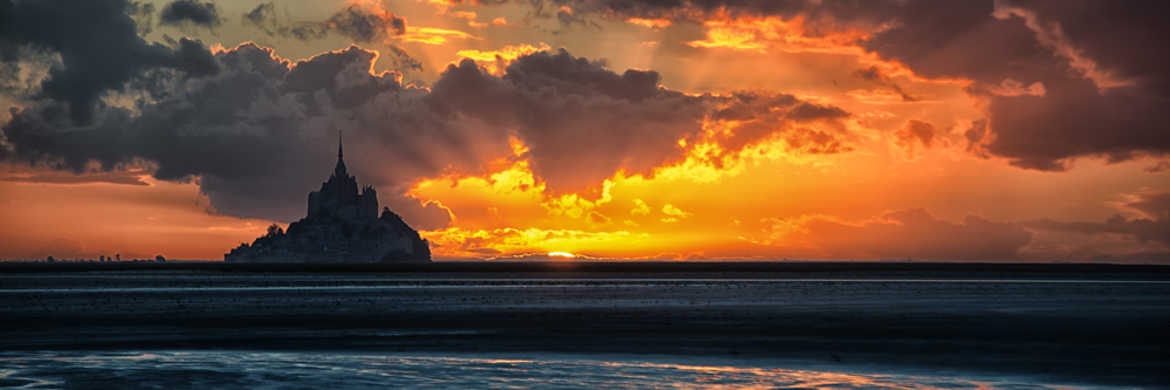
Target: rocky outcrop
(342,226)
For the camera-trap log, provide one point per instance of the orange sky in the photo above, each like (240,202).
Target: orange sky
(895,177)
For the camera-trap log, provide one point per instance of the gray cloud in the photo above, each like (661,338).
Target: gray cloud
(1142,237)
(362,24)
(357,23)
(203,13)
(918,235)
(143,15)
(366,25)
(99,48)
(1152,224)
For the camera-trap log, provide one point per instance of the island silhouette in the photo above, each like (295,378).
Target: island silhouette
(342,227)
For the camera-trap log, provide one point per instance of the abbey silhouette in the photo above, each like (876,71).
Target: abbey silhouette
(343,226)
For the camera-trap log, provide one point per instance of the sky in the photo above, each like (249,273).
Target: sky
(608,129)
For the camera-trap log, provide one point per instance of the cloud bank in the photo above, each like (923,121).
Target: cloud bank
(1087,94)
(253,128)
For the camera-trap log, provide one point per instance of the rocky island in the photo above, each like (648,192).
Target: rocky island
(342,227)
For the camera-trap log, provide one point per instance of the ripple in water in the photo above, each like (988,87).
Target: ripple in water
(278,370)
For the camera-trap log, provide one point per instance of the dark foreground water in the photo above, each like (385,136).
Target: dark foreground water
(312,370)
(182,329)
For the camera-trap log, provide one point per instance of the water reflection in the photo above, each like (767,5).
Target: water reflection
(308,369)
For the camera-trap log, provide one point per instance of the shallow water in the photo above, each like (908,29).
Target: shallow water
(263,370)
(288,330)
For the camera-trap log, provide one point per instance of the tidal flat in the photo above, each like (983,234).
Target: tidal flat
(1069,328)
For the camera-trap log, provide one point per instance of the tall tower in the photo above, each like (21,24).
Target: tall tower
(340,171)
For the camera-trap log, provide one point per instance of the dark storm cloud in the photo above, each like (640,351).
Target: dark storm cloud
(1101,63)
(254,133)
(99,47)
(259,134)
(365,25)
(1098,29)
(190,11)
(362,24)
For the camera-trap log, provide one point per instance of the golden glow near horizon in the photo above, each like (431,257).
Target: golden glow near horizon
(900,176)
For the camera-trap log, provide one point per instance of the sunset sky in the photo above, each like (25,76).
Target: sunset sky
(612,129)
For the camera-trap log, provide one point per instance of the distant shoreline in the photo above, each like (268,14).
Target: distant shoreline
(760,268)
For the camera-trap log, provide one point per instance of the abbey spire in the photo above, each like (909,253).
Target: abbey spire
(340,171)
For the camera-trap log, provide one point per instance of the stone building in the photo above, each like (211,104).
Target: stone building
(342,226)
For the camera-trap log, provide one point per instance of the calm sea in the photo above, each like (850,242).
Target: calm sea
(338,370)
(213,330)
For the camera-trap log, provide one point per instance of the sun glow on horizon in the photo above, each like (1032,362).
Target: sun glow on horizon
(566,255)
